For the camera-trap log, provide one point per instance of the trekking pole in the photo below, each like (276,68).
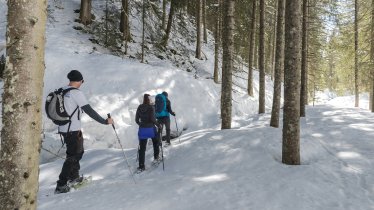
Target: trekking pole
(49,151)
(176,125)
(162,151)
(137,157)
(128,165)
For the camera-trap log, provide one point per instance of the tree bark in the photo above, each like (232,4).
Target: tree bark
(125,23)
(164,14)
(198,29)
(22,102)
(170,23)
(357,92)
(292,65)
(204,22)
(85,12)
(372,55)
(252,34)
(304,60)
(143,30)
(261,60)
(279,56)
(227,66)
(217,43)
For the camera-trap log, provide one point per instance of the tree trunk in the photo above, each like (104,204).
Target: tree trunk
(227,65)
(143,30)
(270,41)
(85,12)
(292,65)
(125,23)
(279,56)
(274,43)
(170,23)
(372,56)
(106,23)
(304,60)
(252,34)
(217,43)
(198,29)
(261,60)
(204,22)
(22,102)
(164,14)
(357,92)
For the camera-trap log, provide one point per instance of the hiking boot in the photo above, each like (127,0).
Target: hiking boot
(156,160)
(62,189)
(141,168)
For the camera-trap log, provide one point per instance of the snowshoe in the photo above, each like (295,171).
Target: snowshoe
(80,182)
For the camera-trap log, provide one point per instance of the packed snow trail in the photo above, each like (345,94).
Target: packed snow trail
(237,169)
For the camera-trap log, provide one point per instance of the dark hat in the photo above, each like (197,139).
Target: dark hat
(75,75)
(165,93)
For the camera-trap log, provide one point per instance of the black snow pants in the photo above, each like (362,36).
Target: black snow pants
(74,153)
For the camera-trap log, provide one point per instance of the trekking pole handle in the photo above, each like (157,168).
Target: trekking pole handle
(113,123)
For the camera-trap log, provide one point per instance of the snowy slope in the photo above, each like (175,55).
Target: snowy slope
(116,85)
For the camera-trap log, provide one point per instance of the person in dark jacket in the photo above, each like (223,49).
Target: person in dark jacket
(145,118)
(164,121)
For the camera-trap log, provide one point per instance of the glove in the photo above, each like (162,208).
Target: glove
(173,113)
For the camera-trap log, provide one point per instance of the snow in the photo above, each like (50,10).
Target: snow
(205,168)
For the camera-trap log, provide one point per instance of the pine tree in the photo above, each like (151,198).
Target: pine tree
(164,20)
(261,60)
(143,29)
(304,61)
(252,35)
(21,104)
(227,62)
(279,56)
(170,23)
(204,22)
(217,41)
(125,23)
(198,29)
(292,65)
(372,55)
(85,12)
(357,92)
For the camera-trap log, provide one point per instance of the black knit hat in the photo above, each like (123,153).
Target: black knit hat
(165,93)
(75,75)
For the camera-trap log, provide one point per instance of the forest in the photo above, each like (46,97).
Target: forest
(275,73)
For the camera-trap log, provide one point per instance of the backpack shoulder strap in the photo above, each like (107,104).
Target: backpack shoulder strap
(67,90)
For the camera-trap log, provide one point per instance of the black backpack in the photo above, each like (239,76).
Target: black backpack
(55,108)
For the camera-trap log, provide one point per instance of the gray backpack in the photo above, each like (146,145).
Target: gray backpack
(55,109)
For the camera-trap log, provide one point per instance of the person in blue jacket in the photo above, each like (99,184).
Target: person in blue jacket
(164,118)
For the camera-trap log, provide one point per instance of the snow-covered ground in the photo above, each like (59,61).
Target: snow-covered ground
(206,168)
(236,169)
